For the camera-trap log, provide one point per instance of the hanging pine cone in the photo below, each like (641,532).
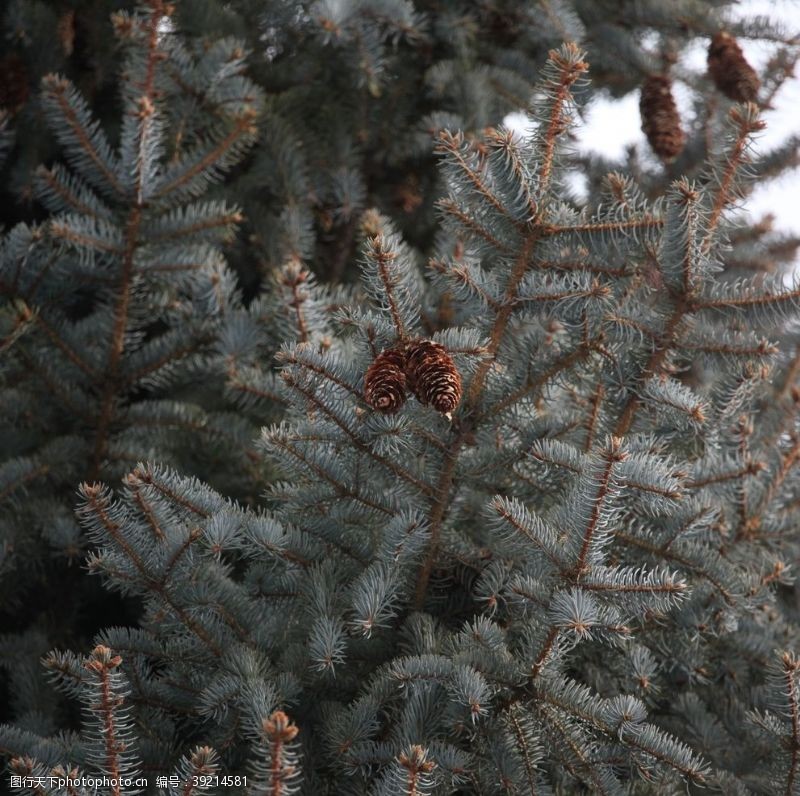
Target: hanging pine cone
(729,69)
(14,88)
(385,382)
(661,122)
(432,376)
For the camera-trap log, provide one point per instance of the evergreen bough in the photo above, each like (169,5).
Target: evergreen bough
(581,582)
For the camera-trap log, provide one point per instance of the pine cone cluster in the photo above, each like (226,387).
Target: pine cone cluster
(729,69)
(423,367)
(661,121)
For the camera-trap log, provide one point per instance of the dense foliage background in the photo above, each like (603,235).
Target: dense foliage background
(216,217)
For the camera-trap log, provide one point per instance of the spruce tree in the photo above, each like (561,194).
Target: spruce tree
(410,471)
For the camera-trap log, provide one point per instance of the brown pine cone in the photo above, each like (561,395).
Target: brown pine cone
(432,376)
(661,122)
(385,382)
(729,69)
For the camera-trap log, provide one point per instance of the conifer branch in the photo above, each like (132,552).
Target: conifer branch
(416,765)
(383,257)
(501,319)
(790,669)
(343,490)
(138,477)
(83,240)
(24,479)
(237,383)
(61,189)
(105,417)
(637,738)
(648,222)
(766,298)
(56,388)
(595,290)
(96,505)
(222,220)
(295,358)
(146,475)
(502,511)
(523,745)
(146,509)
(504,143)
(544,652)
(170,268)
(612,455)
(569,66)
(292,279)
(356,441)
(244,125)
(654,489)
(174,355)
(599,269)
(180,551)
(74,774)
(569,69)
(101,663)
(57,88)
(555,518)
(670,555)
(594,414)
(450,207)
(460,274)
(652,367)
(761,349)
(744,431)
(61,344)
(132,226)
(540,455)
(751,520)
(790,375)
(24,317)
(747,122)
(279,732)
(453,145)
(27,767)
(201,764)
(587,766)
(671,587)
(529,596)
(689,200)
(752,467)
(436,516)
(566,362)
(640,327)
(41,276)
(682,528)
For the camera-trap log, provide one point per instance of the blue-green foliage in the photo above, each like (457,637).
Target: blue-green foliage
(580,583)
(113,304)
